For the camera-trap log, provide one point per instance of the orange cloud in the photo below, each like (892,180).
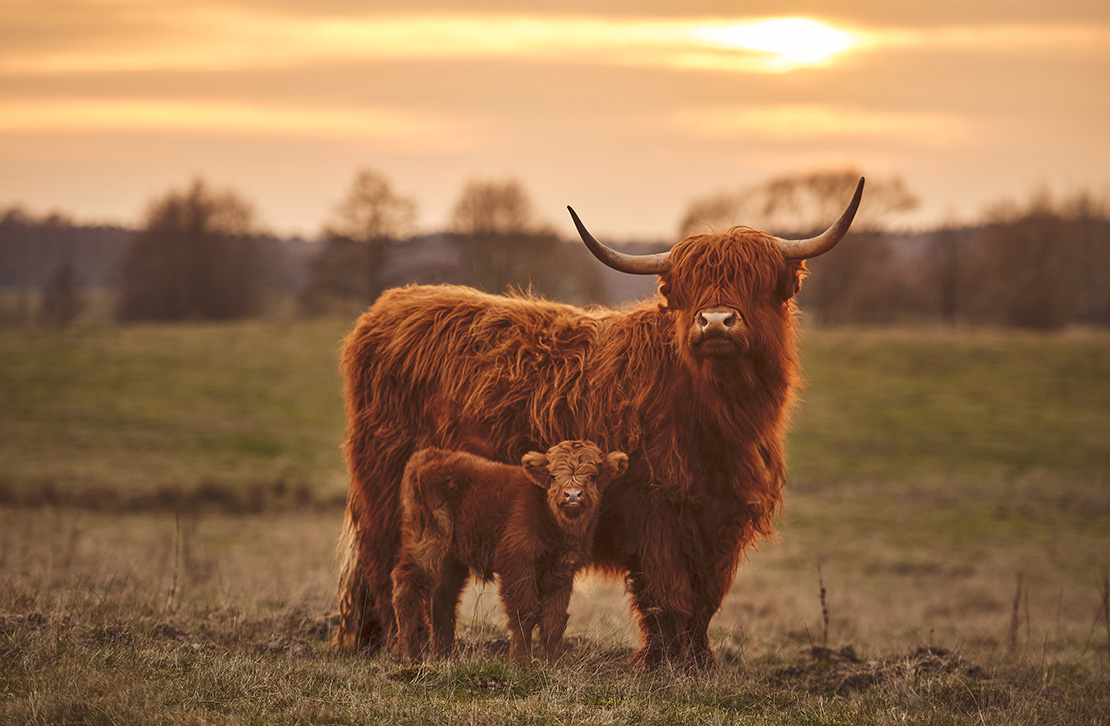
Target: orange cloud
(204,37)
(169,115)
(799,122)
(129,35)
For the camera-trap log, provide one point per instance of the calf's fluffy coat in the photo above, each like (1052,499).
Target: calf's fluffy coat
(462,513)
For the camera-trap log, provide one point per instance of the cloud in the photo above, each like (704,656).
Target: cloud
(806,122)
(991,38)
(132,35)
(218,116)
(211,37)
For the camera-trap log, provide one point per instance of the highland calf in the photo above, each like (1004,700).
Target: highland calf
(463,513)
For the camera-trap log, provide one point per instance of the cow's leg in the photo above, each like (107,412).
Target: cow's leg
(662,627)
(659,580)
(663,601)
(699,651)
(445,605)
(713,577)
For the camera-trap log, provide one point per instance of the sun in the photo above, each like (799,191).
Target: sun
(791,41)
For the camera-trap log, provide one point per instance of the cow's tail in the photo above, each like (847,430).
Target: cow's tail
(346,555)
(359,626)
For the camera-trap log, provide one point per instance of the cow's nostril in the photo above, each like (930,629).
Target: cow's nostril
(717,320)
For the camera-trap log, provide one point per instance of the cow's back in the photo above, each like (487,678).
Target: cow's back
(455,368)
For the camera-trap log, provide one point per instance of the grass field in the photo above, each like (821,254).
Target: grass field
(249,416)
(170,499)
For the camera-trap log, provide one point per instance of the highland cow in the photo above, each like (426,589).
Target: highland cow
(531,525)
(695,386)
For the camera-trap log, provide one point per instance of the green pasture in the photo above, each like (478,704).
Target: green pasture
(170,499)
(134,410)
(896,405)
(248,413)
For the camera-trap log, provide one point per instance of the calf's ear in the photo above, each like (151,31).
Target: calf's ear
(616,463)
(535,466)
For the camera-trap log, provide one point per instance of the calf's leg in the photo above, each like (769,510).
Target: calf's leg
(412,589)
(445,605)
(553,621)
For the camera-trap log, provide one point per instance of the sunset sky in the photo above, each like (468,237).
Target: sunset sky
(626,110)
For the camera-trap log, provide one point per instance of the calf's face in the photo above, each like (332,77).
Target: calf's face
(574,474)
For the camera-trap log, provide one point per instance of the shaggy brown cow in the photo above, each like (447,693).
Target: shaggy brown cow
(462,512)
(694,386)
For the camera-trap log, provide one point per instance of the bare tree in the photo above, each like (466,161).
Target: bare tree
(856,284)
(499,238)
(373,215)
(61,299)
(366,222)
(944,265)
(1044,264)
(493,208)
(799,204)
(197,258)
(373,211)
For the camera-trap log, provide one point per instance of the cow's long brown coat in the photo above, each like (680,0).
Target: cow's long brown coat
(531,525)
(455,368)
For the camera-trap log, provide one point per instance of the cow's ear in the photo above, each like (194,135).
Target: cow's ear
(616,464)
(790,281)
(535,466)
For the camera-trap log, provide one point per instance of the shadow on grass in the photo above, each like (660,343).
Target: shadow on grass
(258,497)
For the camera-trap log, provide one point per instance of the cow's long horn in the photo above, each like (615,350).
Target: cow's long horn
(802,249)
(634,264)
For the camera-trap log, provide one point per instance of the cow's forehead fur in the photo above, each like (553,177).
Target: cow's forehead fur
(573,458)
(739,266)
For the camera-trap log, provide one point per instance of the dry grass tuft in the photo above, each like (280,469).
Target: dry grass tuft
(85,636)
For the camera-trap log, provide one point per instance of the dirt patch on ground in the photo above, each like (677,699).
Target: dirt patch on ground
(841,672)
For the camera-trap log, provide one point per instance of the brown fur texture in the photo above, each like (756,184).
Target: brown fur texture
(702,422)
(531,525)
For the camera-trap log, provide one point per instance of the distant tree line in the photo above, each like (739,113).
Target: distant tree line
(46,261)
(494,242)
(200,254)
(1041,264)
(197,258)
